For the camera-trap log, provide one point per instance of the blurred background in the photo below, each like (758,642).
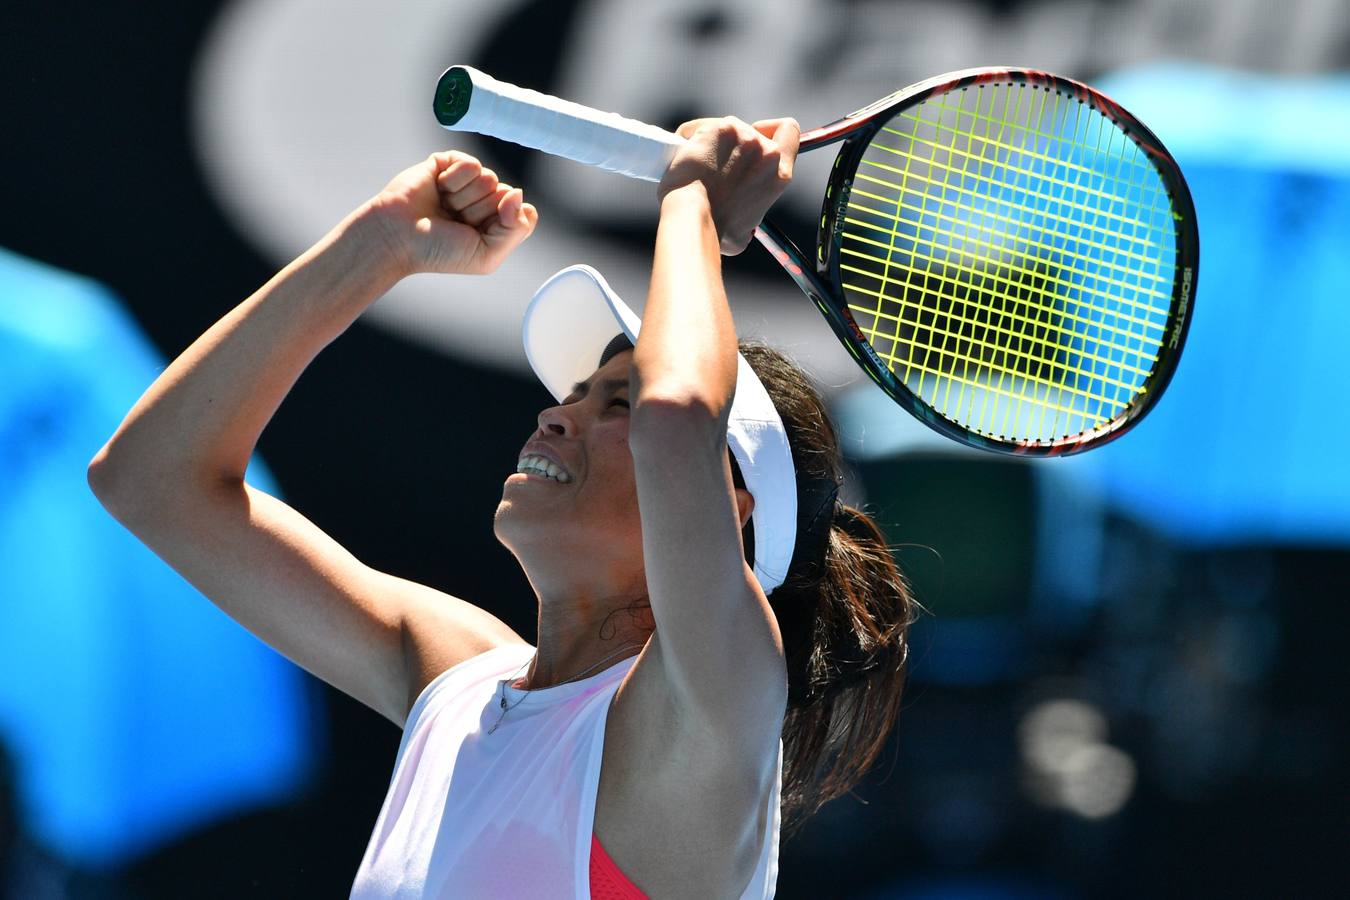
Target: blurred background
(1132,681)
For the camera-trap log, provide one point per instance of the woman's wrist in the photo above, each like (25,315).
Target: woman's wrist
(688,209)
(381,239)
(692,196)
(339,276)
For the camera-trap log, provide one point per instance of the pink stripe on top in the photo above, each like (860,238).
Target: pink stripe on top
(607,880)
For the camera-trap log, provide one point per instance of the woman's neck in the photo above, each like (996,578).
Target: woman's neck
(577,639)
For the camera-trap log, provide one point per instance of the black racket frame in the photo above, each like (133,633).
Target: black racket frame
(820,280)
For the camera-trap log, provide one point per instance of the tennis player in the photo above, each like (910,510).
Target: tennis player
(721,641)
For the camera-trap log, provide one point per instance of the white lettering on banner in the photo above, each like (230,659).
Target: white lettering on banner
(304,108)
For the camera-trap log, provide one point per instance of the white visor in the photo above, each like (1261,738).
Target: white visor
(569,322)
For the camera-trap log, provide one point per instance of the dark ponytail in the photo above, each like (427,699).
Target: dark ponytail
(844,612)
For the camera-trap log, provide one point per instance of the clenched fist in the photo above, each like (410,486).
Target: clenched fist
(449,214)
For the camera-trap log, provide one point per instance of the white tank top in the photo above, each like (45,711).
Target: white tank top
(508,814)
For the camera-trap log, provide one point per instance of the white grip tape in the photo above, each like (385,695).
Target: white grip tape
(605,140)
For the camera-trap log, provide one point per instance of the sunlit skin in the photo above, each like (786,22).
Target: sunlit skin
(174,474)
(580,543)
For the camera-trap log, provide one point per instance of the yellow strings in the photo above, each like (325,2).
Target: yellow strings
(1079,260)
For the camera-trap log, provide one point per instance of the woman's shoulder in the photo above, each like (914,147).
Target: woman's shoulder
(444,634)
(483,668)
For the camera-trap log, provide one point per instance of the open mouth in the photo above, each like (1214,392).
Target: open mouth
(538,467)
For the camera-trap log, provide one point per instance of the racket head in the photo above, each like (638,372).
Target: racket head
(1010,255)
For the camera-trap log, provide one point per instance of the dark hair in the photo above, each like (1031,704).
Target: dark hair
(844,609)
(844,612)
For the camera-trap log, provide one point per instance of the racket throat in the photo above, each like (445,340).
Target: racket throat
(793,261)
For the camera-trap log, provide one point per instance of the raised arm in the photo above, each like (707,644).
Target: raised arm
(173,473)
(717,637)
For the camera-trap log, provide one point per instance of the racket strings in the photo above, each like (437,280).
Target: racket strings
(1126,317)
(1003,196)
(1038,341)
(963,353)
(1085,190)
(1013,265)
(1004,287)
(1137,257)
(1029,130)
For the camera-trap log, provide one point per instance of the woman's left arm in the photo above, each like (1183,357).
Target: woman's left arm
(714,626)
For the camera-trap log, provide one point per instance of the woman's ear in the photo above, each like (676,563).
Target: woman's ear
(745,504)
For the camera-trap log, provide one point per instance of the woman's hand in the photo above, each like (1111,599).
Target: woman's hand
(449,214)
(743,168)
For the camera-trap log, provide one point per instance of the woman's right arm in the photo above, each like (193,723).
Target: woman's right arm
(173,472)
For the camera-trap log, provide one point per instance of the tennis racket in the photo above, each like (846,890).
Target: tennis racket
(1009,254)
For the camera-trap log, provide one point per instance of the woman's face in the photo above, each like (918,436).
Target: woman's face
(588,514)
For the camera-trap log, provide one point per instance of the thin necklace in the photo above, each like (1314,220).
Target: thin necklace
(506,709)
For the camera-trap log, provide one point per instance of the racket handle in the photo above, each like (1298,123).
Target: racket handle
(468,100)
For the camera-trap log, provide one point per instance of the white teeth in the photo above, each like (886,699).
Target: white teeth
(540,466)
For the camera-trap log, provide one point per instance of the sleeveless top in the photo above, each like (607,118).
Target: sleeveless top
(512,813)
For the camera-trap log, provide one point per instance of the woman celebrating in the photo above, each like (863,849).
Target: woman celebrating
(721,642)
